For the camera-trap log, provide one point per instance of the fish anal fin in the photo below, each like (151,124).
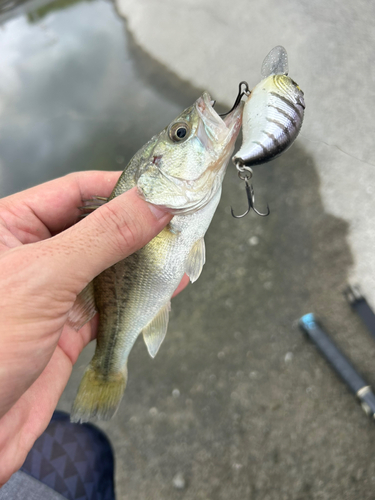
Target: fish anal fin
(155,331)
(83,308)
(196,260)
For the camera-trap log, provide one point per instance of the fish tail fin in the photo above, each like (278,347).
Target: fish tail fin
(98,395)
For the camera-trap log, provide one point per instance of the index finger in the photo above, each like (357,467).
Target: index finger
(56,203)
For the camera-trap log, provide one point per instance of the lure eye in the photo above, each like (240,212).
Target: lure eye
(297,86)
(179,132)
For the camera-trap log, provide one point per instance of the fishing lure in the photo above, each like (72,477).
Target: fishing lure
(273,113)
(272,118)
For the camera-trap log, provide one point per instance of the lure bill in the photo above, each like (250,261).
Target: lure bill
(273,113)
(182,170)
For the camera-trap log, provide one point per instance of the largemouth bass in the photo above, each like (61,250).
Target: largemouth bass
(181,169)
(273,113)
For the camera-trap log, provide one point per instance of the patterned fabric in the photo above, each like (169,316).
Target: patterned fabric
(76,460)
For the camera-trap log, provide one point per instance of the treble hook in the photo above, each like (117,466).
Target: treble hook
(240,94)
(245,174)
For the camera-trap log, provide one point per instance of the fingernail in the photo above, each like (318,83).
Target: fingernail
(158,212)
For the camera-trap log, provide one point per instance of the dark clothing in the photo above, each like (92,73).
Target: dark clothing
(74,460)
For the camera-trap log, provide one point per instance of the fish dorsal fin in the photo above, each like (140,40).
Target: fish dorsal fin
(275,62)
(155,331)
(196,260)
(83,308)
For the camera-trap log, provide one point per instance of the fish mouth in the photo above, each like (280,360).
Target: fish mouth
(213,129)
(217,136)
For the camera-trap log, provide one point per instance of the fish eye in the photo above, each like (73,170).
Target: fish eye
(178,132)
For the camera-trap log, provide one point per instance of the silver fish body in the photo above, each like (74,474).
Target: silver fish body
(130,294)
(273,113)
(181,169)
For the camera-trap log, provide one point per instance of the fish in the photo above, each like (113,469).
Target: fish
(182,170)
(273,113)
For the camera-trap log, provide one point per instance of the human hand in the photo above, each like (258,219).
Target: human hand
(45,262)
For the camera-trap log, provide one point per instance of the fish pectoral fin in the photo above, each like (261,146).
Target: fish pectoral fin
(196,260)
(92,204)
(83,308)
(155,331)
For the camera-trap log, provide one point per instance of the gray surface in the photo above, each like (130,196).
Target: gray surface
(21,486)
(237,402)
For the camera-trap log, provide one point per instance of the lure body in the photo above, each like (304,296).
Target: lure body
(273,113)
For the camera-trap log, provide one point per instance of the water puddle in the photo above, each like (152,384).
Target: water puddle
(71,96)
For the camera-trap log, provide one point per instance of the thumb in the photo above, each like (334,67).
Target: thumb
(108,235)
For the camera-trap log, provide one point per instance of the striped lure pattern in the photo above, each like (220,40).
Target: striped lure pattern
(272,117)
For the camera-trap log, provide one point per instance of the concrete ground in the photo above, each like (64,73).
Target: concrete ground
(237,401)
(215,44)
(260,415)
(237,404)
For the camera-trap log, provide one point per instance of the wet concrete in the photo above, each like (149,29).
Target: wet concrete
(71,97)
(237,403)
(237,400)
